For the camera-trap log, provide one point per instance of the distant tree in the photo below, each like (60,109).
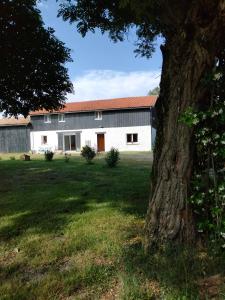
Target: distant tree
(193,33)
(32,72)
(154,91)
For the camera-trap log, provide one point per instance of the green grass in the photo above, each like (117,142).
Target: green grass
(74,231)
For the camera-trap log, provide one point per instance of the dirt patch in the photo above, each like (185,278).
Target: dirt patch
(81,260)
(113,293)
(86,258)
(66,264)
(210,287)
(152,288)
(34,274)
(102,261)
(8,257)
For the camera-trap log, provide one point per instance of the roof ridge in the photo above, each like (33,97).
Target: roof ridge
(108,99)
(104,104)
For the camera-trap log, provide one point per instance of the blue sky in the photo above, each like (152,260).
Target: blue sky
(102,69)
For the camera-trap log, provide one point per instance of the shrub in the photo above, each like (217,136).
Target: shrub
(25,157)
(0,158)
(12,158)
(112,157)
(49,155)
(67,157)
(88,153)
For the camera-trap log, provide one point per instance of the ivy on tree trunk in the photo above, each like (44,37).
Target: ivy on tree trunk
(187,62)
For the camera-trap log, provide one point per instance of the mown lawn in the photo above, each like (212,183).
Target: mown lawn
(74,231)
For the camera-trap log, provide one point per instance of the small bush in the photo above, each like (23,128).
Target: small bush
(12,158)
(66,157)
(49,155)
(25,157)
(112,158)
(88,153)
(0,158)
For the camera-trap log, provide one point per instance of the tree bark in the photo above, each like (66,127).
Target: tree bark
(188,58)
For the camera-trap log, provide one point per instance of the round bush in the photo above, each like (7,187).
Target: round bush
(88,153)
(112,158)
(49,155)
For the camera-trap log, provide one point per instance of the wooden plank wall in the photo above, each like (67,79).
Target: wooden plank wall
(14,139)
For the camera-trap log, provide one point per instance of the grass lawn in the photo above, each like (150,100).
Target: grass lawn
(74,231)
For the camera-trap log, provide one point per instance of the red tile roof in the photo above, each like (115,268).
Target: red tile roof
(110,104)
(14,122)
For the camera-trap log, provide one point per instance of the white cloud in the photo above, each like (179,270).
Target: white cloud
(106,84)
(42,4)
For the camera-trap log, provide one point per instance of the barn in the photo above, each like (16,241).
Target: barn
(15,135)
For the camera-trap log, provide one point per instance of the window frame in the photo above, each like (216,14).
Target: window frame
(98,115)
(69,137)
(60,120)
(47,119)
(132,138)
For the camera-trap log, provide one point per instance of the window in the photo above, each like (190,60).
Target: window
(47,118)
(44,139)
(135,138)
(70,143)
(61,118)
(98,115)
(129,138)
(132,138)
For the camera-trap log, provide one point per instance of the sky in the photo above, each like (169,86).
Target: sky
(102,69)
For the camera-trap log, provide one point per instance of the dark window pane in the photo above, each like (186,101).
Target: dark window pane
(61,118)
(44,139)
(73,142)
(129,138)
(135,138)
(67,142)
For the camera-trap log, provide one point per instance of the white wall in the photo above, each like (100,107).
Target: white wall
(114,137)
(35,140)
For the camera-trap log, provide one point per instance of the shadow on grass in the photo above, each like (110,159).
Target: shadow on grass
(42,196)
(43,220)
(172,273)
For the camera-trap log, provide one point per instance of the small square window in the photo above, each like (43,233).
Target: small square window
(44,139)
(132,138)
(61,118)
(98,115)
(47,118)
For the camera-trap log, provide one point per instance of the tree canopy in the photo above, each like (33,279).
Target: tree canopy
(32,71)
(154,91)
(117,18)
(149,18)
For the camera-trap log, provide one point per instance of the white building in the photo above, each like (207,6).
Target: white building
(123,123)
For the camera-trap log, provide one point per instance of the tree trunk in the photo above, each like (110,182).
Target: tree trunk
(188,57)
